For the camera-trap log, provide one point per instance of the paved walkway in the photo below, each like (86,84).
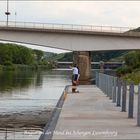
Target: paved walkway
(91,115)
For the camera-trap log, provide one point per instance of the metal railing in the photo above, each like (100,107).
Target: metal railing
(116,89)
(70,27)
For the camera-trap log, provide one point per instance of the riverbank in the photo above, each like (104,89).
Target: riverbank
(26,100)
(36,118)
(132,77)
(14,67)
(24,125)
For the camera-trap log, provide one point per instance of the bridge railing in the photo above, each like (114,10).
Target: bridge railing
(73,27)
(119,90)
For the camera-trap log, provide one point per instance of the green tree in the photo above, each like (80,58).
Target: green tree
(26,55)
(132,59)
(5,54)
(15,54)
(39,55)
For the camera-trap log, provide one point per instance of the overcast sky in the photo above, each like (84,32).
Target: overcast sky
(112,13)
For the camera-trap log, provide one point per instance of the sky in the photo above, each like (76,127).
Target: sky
(110,13)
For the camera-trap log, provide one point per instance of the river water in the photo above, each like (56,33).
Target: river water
(27,99)
(31,90)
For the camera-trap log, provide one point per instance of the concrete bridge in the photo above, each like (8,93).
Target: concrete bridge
(78,38)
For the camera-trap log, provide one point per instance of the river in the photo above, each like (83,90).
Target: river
(28,90)
(27,97)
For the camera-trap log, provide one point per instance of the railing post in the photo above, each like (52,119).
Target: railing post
(138,114)
(107,78)
(114,89)
(99,82)
(97,79)
(124,96)
(119,93)
(104,84)
(131,101)
(110,87)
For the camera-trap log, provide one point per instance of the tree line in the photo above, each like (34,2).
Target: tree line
(132,63)
(17,54)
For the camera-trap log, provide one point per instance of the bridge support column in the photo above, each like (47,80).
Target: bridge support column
(83,60)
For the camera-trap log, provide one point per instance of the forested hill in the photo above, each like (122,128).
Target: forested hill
(137,29)
(17,54)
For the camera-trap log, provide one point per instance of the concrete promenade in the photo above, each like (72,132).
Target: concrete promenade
(91,115)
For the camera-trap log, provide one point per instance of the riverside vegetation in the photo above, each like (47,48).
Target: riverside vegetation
(14,57)
(131,70)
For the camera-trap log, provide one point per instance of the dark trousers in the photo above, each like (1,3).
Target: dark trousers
(74,82)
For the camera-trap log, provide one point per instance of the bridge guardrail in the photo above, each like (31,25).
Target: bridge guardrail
(72,27)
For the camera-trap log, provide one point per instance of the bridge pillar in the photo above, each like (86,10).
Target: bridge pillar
(83,60)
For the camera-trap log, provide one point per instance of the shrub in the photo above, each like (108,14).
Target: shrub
(123,70)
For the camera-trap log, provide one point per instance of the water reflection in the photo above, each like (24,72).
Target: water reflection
(11,80)
(31,90)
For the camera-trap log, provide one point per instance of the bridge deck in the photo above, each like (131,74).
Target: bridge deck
(91,115)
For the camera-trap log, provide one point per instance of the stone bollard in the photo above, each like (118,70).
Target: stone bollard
(138,114)
(124,96)
(119,93)
(131,101)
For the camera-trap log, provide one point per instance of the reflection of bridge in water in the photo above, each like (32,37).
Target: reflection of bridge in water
(94,65)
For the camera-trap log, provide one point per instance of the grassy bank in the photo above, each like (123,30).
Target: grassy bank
(132,77)
(131,70)
(25,67)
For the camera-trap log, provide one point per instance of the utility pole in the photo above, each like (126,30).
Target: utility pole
(7,13)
